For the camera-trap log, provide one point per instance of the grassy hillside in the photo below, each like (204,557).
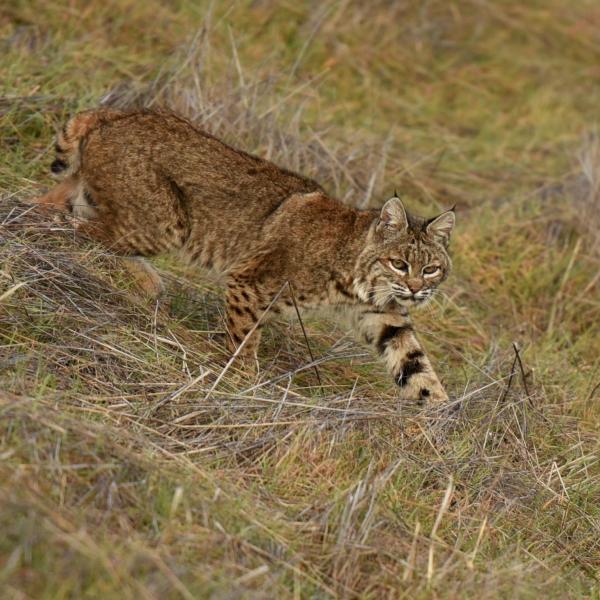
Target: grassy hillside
(128,470)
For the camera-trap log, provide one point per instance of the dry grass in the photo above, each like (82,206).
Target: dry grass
(128,469)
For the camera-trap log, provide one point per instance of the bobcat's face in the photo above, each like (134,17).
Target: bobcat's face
(409,257)
(414,271)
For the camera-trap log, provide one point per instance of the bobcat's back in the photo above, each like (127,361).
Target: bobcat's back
(153,182)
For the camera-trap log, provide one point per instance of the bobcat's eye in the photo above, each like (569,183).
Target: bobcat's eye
(430,270)
(399,265)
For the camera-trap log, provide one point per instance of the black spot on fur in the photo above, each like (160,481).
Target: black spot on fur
(424,393)
(245,295)
(412,366)
(89,199)
(342,290)
(236,309)
(388,333)
(58,166)
(250,312)
(276,309)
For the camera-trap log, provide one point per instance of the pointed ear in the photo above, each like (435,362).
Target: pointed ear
(441,227)
(394,215)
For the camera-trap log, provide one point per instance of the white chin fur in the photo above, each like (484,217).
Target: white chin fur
(412,302)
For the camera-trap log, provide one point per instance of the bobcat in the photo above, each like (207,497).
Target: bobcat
(147,182)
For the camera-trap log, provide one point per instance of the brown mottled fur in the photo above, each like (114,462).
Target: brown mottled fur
(145,183)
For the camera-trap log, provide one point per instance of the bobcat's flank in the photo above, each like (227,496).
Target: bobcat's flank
(144,183)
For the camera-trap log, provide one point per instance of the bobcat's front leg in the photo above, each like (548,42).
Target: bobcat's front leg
(394,339)
(251,301)
(243,317)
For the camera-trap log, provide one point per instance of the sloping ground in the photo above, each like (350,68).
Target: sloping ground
(130,469)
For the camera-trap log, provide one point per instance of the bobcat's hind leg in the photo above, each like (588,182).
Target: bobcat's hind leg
(68,197)
(60,198)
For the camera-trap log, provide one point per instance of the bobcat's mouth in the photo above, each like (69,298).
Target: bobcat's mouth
(408,298)
(411,301)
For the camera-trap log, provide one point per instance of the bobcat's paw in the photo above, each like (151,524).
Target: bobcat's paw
(247,366)
(423,389)
(250,367)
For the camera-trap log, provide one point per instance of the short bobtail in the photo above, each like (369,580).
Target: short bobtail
(69,138)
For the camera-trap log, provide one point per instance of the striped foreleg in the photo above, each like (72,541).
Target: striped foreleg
(393,337)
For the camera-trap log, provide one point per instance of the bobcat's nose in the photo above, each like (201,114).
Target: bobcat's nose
(414,285)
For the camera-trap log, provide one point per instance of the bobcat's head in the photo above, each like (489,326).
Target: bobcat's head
(406,258)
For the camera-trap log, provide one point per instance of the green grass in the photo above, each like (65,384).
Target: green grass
(118,479)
